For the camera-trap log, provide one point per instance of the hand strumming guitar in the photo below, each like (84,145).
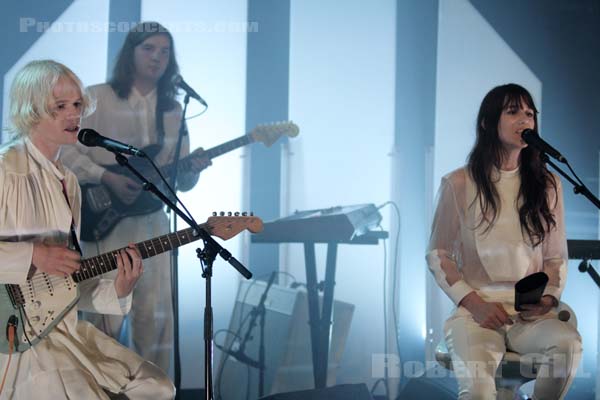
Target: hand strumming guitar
(55,260)
(198,161)
(126,189)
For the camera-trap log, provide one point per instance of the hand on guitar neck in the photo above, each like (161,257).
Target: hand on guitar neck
(126,189)
(130,269)
(199,161)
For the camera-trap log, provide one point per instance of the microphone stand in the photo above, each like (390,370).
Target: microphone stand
(211,249)
(175,258)
(261,350)
(578,188)
(585,266)
(259,310)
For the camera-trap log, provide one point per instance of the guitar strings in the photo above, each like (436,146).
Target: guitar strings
(41,281)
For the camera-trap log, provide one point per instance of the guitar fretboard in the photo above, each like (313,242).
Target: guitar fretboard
(103,263)
(228,146)
(184,164)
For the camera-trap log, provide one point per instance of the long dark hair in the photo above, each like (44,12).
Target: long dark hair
(124,70)
(534,213)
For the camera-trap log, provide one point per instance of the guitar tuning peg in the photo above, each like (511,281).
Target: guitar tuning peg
(214,213)
(244,214)
(229,214)
(237,214)
(222,213)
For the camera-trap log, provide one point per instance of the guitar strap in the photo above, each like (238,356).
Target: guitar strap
(74,240)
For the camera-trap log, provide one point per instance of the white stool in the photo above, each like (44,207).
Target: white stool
(514,369)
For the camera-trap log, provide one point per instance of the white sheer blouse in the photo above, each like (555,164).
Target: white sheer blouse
(464,255)
(131,121)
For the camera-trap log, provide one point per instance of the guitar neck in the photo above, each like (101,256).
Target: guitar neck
(103,263)
(184,163)
(228,146)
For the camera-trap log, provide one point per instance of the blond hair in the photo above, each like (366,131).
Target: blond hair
(31,94)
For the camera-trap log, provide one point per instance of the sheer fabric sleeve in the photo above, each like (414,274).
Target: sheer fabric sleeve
(97,295)
(15,255)
(444,243)
(554,247)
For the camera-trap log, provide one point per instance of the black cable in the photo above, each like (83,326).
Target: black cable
(394,286)
(226,353)
(197,115)
(374,387)
(386,385)
(574,174)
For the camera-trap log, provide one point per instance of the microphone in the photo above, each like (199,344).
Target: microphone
(188,89)
(91,138)
(240,356)
(532,138)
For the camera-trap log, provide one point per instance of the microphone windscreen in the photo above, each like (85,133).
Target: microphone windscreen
(88,137)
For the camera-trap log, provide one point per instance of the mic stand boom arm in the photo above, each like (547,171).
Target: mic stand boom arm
(579,188)
(207,256)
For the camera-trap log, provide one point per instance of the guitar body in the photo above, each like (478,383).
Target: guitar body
(45,301)
(101,210)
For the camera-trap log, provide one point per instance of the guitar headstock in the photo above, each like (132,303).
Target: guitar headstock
(269,133)
(226,227)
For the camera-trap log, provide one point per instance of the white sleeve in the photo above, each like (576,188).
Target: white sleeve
(443,244)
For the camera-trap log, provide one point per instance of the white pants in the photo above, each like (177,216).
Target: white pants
(150,382)
(151,315)
(476,353)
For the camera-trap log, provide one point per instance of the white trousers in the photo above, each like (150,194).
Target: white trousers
(150,382)
(477,352)
(151,316)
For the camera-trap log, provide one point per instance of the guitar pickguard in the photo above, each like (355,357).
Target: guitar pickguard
(39,304)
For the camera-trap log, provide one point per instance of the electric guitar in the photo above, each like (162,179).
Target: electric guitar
(101,210)
(37,305)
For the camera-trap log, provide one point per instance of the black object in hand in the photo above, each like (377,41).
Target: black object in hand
(529,290)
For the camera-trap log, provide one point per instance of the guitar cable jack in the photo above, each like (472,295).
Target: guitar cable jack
(11,330)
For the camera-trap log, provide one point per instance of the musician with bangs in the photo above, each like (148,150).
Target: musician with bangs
(46,353)
(500,219)
(137,106)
